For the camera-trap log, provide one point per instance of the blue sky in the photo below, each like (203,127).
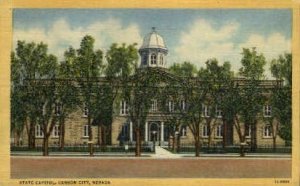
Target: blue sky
(193,35)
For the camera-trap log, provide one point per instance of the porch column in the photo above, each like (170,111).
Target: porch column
(130,131)
(162,132)
(146,131)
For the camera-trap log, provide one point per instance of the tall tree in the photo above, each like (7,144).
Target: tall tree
(185,69)
(216,77)
(121,63)
(252,98)
(89,67)
(281,97)
(66,93)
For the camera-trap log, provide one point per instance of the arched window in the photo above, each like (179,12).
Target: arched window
(161,60)
(153,59)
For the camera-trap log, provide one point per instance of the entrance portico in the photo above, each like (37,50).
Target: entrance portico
(155,130)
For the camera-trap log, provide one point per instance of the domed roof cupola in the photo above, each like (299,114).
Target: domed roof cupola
(153,50)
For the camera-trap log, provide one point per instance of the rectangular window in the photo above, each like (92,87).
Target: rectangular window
(267,131)
(218,112)
(267,111)
(38,131)
(183,130)
(85,131)
(205,111)
(58,107)
(248,131)
(182,105)
(124,108)
(204,131)
(56,131)
(85,111)
(219,131)
(171,106)
(154,105)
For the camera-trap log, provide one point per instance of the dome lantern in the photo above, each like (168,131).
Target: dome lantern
(153,50)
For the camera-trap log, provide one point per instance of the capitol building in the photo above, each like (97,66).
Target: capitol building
(153,54)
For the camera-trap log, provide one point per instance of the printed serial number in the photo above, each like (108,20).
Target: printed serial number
(282,181)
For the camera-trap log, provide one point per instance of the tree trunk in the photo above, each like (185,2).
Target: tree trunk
(224,144)
(274,143)
(99,135)
(45,145)
(178,143)
(31,136)
(197,147)
(138,143)
(91,146)
(62,135)
(253,144)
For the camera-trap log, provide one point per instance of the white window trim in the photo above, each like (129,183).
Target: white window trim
(205,111)
(219,131)
(153,105)
(153,59)
(248,135)
(85,111)
(218,112)
(267,110)
(269,133)
(184,131)
(38,131)
(171,106)
(58,107)
(85,131)
(205,135)
(54,134)
(182,105)
(123,108)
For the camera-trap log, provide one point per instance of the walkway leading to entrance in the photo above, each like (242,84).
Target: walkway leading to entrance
(163,153)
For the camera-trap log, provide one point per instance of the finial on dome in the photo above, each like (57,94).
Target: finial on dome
(153,29)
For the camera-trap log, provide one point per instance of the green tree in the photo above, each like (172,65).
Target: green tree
(281,98)
(185,69)
(89,67)
(121,63)
(251,94)
(216,77)
(66,93)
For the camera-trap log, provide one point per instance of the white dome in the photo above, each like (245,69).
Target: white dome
(153,40)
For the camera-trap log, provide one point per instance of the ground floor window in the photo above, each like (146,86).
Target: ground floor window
(205,131)
(86,131)
(267,131)
(56,131)
(219,131)
(183,130)
(38,131)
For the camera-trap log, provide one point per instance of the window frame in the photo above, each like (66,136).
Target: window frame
(205,111)
(85,131)
(56,131)
(154,105)
(153,59)
(267,131)
(123,108)
(205,131)
(267,110)
(38,131)
(219,131)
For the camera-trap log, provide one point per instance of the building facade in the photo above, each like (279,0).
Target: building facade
(153,53)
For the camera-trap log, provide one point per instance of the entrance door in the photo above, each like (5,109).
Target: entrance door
(154,132)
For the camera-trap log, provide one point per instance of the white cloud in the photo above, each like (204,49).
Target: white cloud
(61,35)
(202,41)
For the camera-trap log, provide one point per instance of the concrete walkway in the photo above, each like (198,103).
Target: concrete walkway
(163,153)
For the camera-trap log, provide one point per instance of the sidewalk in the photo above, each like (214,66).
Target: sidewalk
(163,153)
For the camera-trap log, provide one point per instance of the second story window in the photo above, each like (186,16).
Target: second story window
(58,108)
(85,111)
(153,105)
(182,105)
(205,111)
(124,108)
(267,111)
(171,106)
(218,112)
(153,59)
